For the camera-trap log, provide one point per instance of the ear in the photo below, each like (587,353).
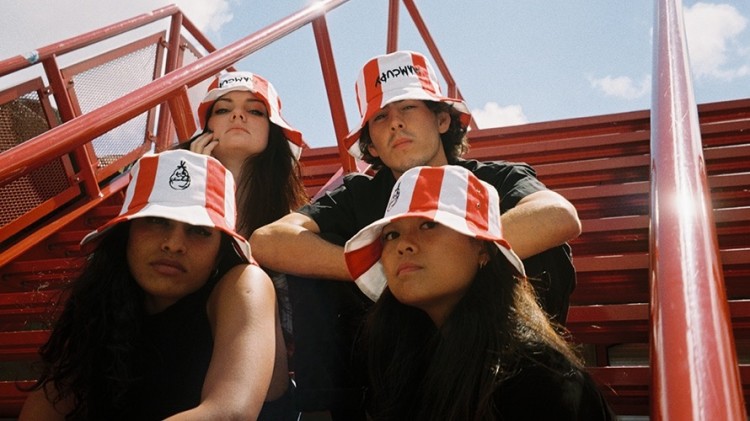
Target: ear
(484,255)
(444,121)
(373,151)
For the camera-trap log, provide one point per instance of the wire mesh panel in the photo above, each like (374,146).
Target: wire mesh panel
(20,120)
(105,78)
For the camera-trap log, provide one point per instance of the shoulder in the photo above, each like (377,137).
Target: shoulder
(242,282)
(496,168)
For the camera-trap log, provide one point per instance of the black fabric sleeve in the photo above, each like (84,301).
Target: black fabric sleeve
(513,180)
(541,393)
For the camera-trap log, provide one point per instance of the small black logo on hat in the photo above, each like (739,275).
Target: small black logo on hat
(180,178)
(394,197)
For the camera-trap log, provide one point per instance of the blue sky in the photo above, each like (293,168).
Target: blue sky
(514,61)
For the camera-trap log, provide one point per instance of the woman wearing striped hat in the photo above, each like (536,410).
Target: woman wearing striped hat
(456,332)
(242,126)
(171,316)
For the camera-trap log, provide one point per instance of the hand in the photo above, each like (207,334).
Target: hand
(204,144)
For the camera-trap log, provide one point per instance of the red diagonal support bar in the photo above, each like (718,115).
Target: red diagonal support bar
(693,360)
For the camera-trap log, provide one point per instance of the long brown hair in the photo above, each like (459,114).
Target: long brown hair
(420,372)
(270,185)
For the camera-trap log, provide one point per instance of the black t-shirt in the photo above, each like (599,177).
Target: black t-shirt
(176,351)
(362,199)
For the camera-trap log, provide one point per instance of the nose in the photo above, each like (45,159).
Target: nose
(396,121)
(406,244)
(238,113)
(174,241)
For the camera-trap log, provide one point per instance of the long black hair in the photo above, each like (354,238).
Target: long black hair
(420,372)
(90,355)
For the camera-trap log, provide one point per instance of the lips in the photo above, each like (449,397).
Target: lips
(168,267)
(400,142)
(406,268)
(238,128)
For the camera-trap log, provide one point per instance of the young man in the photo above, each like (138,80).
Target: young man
(406,122)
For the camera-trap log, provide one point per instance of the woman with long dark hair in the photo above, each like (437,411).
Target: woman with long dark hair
(171,317)
(242,126)
(456,332)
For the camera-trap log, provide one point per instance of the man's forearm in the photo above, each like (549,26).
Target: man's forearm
(294,250)
(544,221)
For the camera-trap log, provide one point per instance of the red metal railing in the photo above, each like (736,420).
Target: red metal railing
(693,359)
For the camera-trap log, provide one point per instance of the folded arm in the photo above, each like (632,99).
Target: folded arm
(293,245)
(540,221)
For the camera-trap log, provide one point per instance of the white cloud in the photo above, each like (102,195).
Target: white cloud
(206,14)
(622,86)
(21,19)
(493,115)
(713,40)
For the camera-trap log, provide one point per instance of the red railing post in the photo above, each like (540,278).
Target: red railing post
(693,359)
(333,88)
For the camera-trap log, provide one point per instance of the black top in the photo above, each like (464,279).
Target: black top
(539,392)
(362,199)
(176,351)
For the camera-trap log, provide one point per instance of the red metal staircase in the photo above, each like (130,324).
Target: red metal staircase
(56,185)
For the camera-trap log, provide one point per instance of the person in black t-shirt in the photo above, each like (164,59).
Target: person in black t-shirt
(171,315)
(406,122)
(456,332)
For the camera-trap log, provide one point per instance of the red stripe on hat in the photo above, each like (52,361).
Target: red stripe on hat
(424,75)
(477,205)
(260,86)
(373,88)
(215,188)
(361,260)
(427,187)
(144,184)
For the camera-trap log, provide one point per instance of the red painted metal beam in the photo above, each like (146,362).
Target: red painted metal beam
(19,62)
(333,89)
(694,365)
(64,138)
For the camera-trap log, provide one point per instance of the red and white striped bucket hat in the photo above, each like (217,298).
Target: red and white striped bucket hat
(247,81)
(183,186)
(396,77)
(451,196)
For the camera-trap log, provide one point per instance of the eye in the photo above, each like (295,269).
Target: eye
(221,110)
(200,230)
(426,225)
(259,112)
(389,235)
(379,117)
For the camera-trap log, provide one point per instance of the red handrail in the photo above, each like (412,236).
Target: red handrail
(694,365)
(19,62)
(32,154)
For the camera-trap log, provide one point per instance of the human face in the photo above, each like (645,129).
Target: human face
(170,259)
(239,121)
(406,134)
(429,266)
